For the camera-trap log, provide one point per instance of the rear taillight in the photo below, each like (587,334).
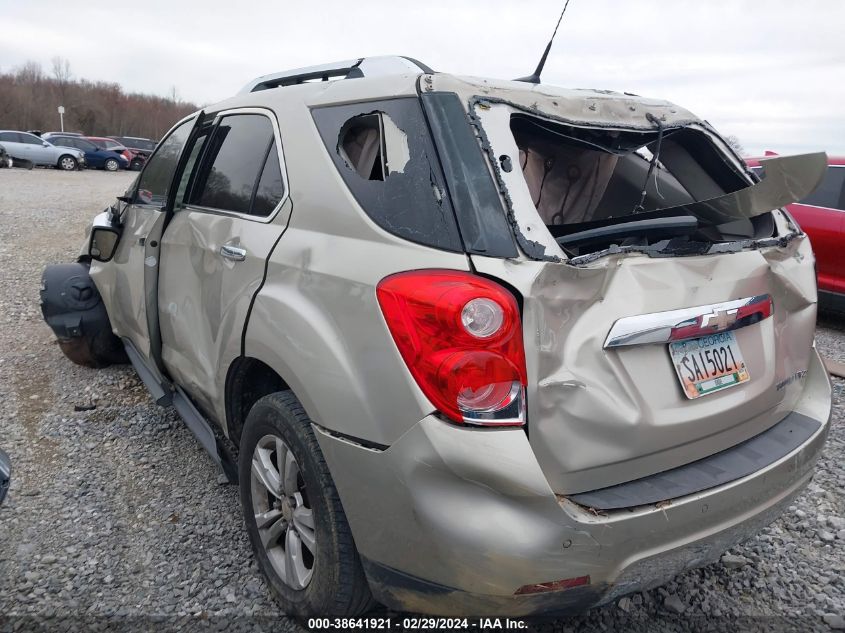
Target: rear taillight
(461,337)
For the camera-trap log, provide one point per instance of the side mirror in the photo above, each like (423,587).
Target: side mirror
(45,144)
(105,236)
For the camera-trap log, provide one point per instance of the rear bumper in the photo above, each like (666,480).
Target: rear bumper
(454,521)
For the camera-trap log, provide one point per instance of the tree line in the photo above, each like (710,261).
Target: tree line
(29,100)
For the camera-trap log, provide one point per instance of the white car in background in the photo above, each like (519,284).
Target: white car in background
(24,145)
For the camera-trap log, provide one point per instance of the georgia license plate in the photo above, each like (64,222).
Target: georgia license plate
(708,364)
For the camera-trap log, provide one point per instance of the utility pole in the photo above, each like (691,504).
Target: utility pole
(62,117)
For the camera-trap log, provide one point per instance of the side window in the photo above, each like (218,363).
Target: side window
(9,137)
(189,173)
(271,187)
(384,153)
(30,139)
(157,176)
(233,167)
(830,191)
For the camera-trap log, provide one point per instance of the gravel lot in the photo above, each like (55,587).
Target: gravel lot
(117,516)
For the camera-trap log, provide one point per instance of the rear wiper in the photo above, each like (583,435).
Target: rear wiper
(656,228)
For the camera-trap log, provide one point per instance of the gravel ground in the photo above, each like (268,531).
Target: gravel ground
(117,518)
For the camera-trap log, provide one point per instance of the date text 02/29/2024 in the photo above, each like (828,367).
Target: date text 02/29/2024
(417,623)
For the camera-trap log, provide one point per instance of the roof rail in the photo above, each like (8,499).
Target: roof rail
(349,69)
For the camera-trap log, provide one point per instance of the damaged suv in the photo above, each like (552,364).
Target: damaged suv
(468,346)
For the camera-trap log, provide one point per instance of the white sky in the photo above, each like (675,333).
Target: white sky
(771,72)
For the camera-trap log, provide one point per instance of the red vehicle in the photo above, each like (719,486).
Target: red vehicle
(822,217)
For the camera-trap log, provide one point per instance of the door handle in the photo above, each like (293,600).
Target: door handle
(235,253)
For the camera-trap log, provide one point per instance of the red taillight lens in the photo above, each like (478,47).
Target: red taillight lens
(461,337)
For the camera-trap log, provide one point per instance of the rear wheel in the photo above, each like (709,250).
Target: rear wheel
(136,165)
(67,163)
(294,517)
(111,164)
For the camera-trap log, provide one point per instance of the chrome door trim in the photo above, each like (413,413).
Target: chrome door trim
(686,323)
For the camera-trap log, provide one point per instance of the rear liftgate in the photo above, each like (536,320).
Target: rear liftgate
(668,312)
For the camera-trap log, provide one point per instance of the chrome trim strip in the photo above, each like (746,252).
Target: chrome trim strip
(686,323)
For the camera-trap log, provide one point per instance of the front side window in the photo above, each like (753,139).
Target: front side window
(156,179)
(240,170)
(30,139)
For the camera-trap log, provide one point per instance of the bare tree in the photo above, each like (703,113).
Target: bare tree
(735,144)
(61,70)
(28,100)
(30,73)
(62,75)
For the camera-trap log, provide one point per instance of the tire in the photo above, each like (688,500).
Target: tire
(335,583)
(136,165)
(67,163)
(111,165)
(96,350)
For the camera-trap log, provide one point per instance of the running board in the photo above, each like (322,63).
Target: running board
(160,393)
(166,395)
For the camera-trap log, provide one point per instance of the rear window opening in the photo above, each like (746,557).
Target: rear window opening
(587,187)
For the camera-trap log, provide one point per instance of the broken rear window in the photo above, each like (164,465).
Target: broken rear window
(595,187)
(384,153)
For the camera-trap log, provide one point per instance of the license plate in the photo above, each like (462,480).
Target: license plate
(708,364)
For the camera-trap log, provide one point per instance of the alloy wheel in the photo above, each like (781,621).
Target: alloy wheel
(283,512)
(68,163)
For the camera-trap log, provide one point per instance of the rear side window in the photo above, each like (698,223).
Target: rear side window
(240,170)
(384,153)
(271,187)
(9,137)
(830,192)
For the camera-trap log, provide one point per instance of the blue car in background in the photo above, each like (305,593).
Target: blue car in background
(95,157)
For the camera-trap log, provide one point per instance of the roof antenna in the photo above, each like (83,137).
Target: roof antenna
(535,77)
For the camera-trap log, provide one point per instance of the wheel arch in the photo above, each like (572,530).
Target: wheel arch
(247,381)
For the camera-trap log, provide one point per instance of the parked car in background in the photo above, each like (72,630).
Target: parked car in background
(140,147)
(95,157)
(26,146)
(111,145)
(5,159)
(821,215)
